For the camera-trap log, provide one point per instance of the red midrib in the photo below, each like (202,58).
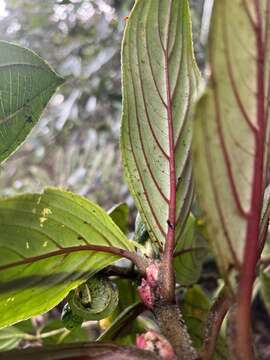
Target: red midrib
(170,237)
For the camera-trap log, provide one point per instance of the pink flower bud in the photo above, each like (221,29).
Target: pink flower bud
(145,293)
(153,341)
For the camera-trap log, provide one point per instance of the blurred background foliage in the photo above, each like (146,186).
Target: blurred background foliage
(75,144)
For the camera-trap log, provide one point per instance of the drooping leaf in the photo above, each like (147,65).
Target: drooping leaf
(26,85)
(119,214)
(231,132)
(45,244)
(195,307)
(190,252)
(159,84)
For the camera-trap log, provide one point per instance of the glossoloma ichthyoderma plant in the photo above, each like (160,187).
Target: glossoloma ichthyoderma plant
(195,153)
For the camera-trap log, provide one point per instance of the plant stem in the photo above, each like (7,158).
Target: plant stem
(213,324)
(44,335)
(174,329)
(243,338)
(81,351)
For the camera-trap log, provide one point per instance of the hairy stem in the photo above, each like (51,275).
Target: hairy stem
(174,329)
(213,324)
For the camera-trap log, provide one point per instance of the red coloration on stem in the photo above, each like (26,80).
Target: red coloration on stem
(247,275)
(153,341)
(168,286)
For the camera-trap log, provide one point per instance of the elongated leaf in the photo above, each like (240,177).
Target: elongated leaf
(159,85)
(231,132)
(26,85)
(190,253)
(46,227)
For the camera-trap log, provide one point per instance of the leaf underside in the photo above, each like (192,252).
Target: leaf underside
(159,84)
(26,85)
(231,132)
(195,307)
(188,265)
(39,224)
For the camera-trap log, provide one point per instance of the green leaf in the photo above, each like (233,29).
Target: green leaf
(26,85)
(192,250)
(265,288)
(195,307)
(10,338)
(127,316)
(159,85)
(53,333)
(42,241)
(119,213)
(231,133)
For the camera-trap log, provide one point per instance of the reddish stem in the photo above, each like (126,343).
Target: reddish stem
(213,324)
(243,322)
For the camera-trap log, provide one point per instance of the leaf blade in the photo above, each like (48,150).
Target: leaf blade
(26,85)
(156,158)
(38,225)
(230,136)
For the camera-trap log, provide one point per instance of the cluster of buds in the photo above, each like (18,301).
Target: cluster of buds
(153,341)
(149,290)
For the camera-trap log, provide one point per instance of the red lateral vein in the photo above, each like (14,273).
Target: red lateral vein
(136,162)
(184,170)
(171,46)
(247,11)
(231,77)
(216,197)
(139,124)
(151,68)
(226,155)
(267,23)
(159,31)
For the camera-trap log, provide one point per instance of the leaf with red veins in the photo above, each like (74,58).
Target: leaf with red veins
(231,137)
(159,85)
